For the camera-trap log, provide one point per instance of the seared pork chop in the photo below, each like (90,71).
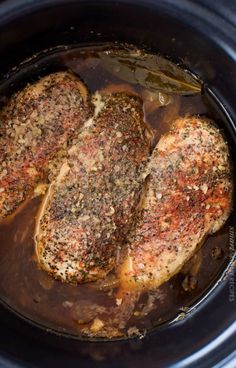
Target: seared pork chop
(90,206)
(189,195)
(34,125)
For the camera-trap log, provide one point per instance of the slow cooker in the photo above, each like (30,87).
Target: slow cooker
(199,34)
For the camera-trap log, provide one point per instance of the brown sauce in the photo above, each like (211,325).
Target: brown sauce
(68,309)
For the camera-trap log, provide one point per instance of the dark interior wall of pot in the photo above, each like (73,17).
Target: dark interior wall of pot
(187,32)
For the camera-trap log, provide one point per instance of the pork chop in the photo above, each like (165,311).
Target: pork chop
(90,206)
(34,125)
(189,195)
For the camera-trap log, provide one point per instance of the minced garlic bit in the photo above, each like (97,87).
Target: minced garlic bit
(97,325)
(204,188)
(40,189)
(118,301)
(133,331)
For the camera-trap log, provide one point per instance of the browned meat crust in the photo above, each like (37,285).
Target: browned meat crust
(34,125)
(189,195)
(90,206)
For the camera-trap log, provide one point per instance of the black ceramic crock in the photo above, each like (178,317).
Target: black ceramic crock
(199,33)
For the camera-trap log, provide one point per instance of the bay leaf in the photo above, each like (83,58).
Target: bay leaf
(150,71)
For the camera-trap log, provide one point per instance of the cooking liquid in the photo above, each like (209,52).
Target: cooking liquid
(69,309)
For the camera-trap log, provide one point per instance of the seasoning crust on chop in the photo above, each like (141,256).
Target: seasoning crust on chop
(189,195)
(34,126)
(91,204)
